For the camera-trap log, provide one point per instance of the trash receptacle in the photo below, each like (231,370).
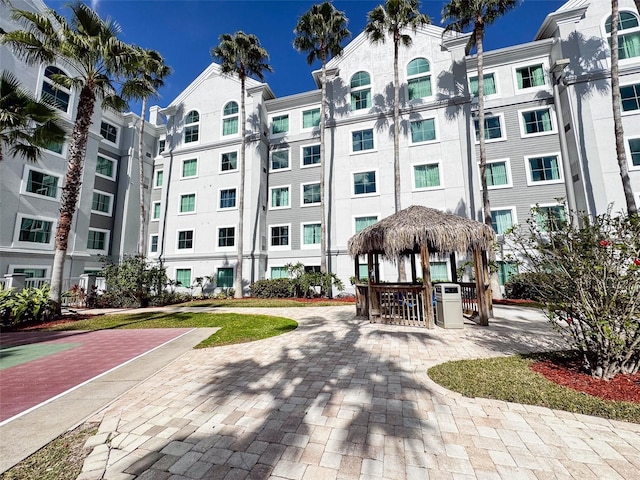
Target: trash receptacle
(448,305)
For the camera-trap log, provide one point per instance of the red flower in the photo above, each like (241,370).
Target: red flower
(636,261)
(569,320)
(605,243)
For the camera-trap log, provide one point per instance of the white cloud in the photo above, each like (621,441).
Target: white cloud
(94,4)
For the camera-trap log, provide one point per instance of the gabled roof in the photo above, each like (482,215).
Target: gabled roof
(570,10)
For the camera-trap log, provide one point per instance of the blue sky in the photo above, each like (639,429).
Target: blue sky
(184,32)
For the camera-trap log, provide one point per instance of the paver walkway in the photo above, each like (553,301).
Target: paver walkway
(342,398)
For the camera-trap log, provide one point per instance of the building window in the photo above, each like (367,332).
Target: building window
(544,169)
(311,194)
(426,176)
(53,93)
(228,198)
(155,213)
(159,179)
(153,244)
(497,174)
(362,140)
(311,118)
(536,122)
(55,147)
(311,155)
(279,197)
(189,168)
(439,271)
(489,85)
(418,78)
(423,130)
(161,145)
(506,270)
(279,272)
(185,239)
(225,278)
(280,236)
(364,183)
(230,119)
(630,95)
(229,161)
(492,128)
(634,150)
(279,159)
(501,220)
(226,236)
(360,91)
(550,218)
(97,240)
(35,231)
(363,222)
(109,132)
(32,272)
(280,125)
(311,234)
(628,35)
(106,167)
(183,277)
(101,203)
(191,127)
(530,76)
(42,184)
(188,203)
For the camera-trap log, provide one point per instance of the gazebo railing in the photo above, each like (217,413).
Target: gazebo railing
(469,298)
(398,303)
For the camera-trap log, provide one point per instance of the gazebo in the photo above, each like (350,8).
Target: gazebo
(420,230)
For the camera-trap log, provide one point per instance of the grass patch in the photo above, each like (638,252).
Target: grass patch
(234,327)
(510,379)
(61,459)
(268,302)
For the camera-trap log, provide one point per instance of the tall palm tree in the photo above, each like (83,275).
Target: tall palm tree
(392,19)
(26,124)
(621,155)
(320,32)
(89,47)
(241,55)
(150,75)
(463,14)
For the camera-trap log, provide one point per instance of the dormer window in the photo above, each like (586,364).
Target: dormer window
(418,78)
(360,91)
(191,127)
(230,119)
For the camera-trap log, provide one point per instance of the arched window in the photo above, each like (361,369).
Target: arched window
(360,91)
(53,93)
(191,127)
(628,34)
(418,78)
(230,119)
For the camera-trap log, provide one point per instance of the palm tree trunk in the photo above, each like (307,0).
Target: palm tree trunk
(143,213)
(237,283)
(402,274)
(73,181)
(617,118)
(323,207)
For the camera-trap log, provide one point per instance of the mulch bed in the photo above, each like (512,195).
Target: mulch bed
(569,373)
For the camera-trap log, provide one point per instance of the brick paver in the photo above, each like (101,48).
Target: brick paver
(341,398)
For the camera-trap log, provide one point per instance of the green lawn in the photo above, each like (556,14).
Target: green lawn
(511,379)
(234,328)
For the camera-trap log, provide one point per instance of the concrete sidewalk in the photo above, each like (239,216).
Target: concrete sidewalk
(342,398)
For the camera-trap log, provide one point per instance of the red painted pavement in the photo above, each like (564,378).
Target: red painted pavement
(29,384)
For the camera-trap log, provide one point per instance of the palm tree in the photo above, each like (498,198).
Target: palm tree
(320,32)
(150,76)
(621,155)
(26,124)
(241,55)
(89,46)
(463,14)
(393,19)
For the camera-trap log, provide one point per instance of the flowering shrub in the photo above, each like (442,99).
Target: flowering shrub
(589,282)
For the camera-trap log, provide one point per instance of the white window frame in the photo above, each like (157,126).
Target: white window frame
(226,209)
(62,154)
(355,217)
(629,112)
(271,267)
(514,217)
(98,212)
(365,195)
(279,115)
(186,125)
(197,159)
(224,117)
(533,214)
(193,241)
(487,72)
(181,267)
(416,76)
(157,252)
(195,203)
(507,162)
(627,148)
(114,170)
(527,167)
(34,245)
(425,142)
(305,246)
(426,189)
(531,63)
(160,152)
(503,129)
(313,165)
(302,127)
(552,115)
(46,268)
(42,78)
(152,211)
(279,247)
(358,89)
(107,239)
(25,181)
(444,260)
(235,238)
(305,205)
(288,150)
(607,36)
(155,178)
(233,170)
(117,141)
(363,152)
(271,189)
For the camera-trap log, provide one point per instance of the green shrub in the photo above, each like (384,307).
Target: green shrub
(28,305)
(523,286)
(132,283)
(273,288)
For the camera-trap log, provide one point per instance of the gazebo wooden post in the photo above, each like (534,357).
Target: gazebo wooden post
(481,285)
(414,275)
(453,266)
(376,267)
(374,304)
(426,283)
(487,281)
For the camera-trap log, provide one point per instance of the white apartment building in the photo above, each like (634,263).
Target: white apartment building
(549,133)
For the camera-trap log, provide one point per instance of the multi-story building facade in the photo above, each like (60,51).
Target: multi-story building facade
(548,130)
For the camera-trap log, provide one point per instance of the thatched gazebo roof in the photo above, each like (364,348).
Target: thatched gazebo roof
(405,232)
